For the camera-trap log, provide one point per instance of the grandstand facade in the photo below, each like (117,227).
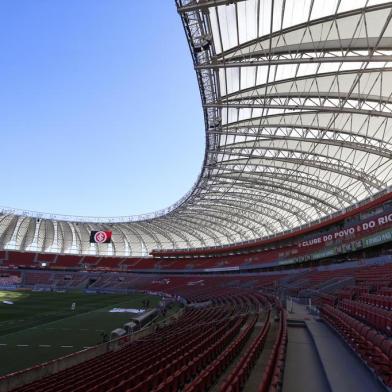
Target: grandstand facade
(364,229)
(297,109)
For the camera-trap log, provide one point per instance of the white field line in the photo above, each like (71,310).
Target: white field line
(39,345)
(44,325)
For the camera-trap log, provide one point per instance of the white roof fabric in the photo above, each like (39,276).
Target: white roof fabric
(297,103)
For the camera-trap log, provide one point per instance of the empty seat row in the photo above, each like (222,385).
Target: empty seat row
(385,291)
(374,348)
(377,318)
(381,301)
(273,374)
(204,374)
(167,359)
(153,353)
(239,375)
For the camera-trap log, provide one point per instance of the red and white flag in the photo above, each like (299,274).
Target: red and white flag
(100,237)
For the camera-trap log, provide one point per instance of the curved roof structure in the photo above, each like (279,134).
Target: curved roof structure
(298,113)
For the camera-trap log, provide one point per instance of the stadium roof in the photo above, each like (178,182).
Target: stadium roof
(297,104)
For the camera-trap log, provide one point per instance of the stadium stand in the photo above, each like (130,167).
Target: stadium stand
(372,347)
(182,354)
(380,319)
(10,280)
(289,225)
(38,278)
(300,249)
(239,314)
(381,301)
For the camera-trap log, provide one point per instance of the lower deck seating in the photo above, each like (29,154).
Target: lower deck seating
(273,374)
(381,301)
(38,278)
(189,354)
(380,319)
(194,353)
(385,291)
(238,376)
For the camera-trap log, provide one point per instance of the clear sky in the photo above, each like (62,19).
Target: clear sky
(100,111)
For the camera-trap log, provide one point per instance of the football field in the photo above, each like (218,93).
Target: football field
(40,326)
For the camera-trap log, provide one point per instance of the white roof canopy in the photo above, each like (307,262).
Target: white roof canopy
(298,114)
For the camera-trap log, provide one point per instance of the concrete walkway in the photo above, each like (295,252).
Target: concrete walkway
(303,370)
(336,364)
(344,370)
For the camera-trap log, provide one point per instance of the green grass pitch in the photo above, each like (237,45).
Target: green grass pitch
(40,326)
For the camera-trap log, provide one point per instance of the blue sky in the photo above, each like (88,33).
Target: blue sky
(100,111)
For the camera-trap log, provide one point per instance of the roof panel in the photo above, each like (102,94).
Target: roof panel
(297,104)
